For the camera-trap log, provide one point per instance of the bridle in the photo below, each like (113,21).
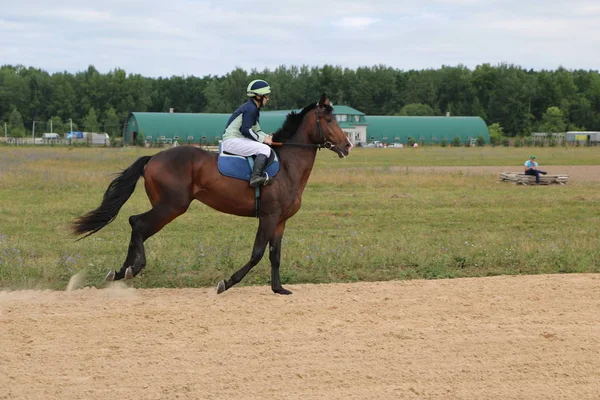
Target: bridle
(326,144)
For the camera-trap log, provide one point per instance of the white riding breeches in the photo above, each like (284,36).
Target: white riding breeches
(245,147)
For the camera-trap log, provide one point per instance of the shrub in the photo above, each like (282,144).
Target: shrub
(139,140)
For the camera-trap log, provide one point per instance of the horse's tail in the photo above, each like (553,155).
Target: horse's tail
(117,193)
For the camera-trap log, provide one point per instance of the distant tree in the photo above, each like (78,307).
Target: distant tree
(90,122)
(215,99)
(553,120)
(166,104)
(112,123)
(416,110)
(56,125)
(516,98)
(15,124)
(575,128)
(495,133)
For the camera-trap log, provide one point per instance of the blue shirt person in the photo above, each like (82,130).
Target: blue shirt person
(531,168)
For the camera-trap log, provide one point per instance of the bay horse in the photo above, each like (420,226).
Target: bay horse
(175,177)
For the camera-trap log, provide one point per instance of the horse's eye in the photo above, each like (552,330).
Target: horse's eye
(328,120)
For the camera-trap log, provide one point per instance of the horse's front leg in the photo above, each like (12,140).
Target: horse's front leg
(275,258)
(266,226)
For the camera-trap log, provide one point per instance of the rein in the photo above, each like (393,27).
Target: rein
(326,145)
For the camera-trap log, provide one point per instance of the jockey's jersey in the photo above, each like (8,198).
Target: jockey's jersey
(244,123)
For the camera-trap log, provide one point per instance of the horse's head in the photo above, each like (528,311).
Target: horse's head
(328,131)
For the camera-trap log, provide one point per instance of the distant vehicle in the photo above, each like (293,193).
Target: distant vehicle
(74,135)
(50,136)
(91,138)
(375,143)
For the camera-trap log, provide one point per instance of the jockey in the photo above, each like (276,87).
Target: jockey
(243,135)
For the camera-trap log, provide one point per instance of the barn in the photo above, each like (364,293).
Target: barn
(186,127)
(360,128)
(429,130)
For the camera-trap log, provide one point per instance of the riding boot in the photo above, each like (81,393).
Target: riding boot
(257,179)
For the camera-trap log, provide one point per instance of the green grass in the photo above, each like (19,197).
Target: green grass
(468,156)
(360,221)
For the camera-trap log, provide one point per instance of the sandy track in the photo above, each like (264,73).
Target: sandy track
(488,338)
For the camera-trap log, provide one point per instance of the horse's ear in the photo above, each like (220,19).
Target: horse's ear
(323,100)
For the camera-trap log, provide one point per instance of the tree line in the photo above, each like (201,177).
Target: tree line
(515,100)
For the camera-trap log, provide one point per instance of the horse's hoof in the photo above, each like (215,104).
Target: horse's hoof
(110,276)
(221,286)
(128,273)
(282,291)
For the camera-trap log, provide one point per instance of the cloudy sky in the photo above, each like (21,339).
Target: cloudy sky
(193,37)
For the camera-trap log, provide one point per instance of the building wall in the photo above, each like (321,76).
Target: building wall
(208,128)
(356,135)
(396,129)
(583,137)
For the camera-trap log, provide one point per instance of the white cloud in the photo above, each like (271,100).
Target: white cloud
(80,15)
(355,22)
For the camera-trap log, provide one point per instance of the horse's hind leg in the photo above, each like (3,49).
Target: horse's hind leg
(142,227)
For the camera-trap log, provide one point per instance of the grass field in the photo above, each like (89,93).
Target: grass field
(363,218)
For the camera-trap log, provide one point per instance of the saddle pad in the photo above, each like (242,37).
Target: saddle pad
(238,166)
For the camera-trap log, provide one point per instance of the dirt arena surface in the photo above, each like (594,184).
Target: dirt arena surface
(577,173)
(532,337)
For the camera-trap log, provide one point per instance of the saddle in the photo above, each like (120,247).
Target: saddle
(240,167)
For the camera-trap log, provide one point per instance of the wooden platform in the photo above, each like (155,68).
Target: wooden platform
(519,178)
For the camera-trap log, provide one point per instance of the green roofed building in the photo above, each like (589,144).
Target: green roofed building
(180,127)
(187,128)
(429,130)
(208,128)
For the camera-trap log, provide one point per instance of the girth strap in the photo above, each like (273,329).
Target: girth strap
(256,190)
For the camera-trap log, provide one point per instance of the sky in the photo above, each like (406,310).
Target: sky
(198,38)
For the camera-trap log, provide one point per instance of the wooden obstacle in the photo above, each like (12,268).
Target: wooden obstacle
(519,178)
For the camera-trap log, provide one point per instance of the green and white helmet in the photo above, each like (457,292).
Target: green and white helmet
(258,87)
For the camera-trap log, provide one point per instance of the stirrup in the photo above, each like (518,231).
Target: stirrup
(267,180)
(259,182)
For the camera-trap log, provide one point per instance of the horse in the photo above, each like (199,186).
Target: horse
(173,178)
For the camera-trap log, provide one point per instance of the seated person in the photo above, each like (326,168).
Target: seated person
(531,168)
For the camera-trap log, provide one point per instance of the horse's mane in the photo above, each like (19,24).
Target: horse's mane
(293,121)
